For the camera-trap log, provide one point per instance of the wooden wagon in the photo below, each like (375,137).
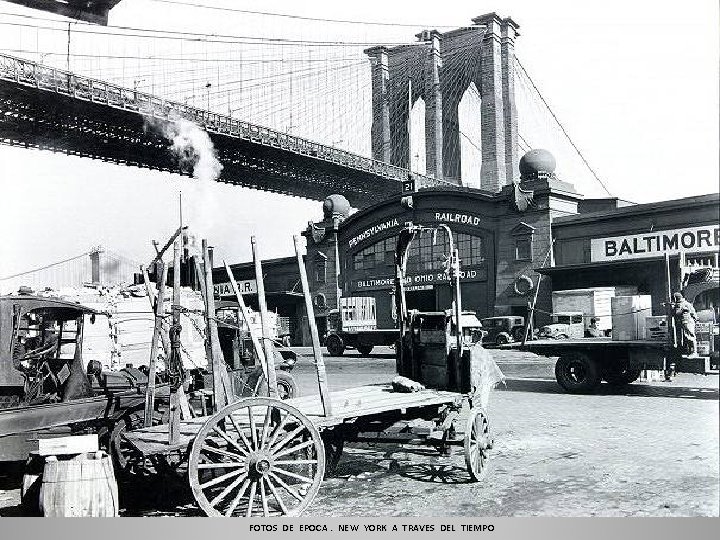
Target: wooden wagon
(262,456)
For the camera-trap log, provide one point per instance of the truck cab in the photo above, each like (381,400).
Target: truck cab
(472,327)
(239,353)
(569,325)
(41,350)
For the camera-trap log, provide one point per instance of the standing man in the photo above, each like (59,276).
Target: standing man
(593,330)
(685,317)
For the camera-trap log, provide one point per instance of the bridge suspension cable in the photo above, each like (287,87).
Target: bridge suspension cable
(207,37)
(51,265)
(286,80)
(525,74)
(305,18)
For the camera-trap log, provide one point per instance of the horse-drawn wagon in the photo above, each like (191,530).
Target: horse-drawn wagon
(262,456)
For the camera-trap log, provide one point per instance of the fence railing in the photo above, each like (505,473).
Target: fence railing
(64,82)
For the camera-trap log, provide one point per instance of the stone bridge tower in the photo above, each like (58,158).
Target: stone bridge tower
(438,69)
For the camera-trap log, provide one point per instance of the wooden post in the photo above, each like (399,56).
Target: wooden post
(151,296)
(161,252)
(455,265)
(221,386)
(531,312)
(246,317)
(262,304)
(672,335)
(200,273)
(317,353)
(161,276)
(174,428)
(184,405)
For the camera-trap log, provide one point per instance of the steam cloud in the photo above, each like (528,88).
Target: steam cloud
(191,144)
(195,151)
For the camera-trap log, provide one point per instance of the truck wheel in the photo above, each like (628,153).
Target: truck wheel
(502,339)
(621,375)
(364,349)
(335,345)
(577,373)
(286,386)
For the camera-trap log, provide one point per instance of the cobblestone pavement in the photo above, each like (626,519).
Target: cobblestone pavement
(649,450)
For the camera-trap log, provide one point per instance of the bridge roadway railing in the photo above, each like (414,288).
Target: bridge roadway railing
(63,82)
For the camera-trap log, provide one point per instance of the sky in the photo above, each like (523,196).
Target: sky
(635,84)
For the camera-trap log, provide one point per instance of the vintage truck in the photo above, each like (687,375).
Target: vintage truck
(354,326)
(583,363)
(564,326)
(46,389)
(239,353)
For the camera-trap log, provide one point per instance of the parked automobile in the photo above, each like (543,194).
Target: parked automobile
(503,330)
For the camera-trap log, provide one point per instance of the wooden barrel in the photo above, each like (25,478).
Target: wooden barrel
(83,486)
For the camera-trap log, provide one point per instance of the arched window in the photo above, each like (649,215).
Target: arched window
(424,256)
(470,126)
(417,137)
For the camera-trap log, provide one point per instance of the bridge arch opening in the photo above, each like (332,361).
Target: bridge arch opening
(470,126)
(417,136)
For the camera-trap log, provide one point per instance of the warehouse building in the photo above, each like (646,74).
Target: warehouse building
(538,235)
(535,236)
(627,246)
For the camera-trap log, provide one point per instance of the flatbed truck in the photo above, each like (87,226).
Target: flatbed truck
(583,363)
(355,326)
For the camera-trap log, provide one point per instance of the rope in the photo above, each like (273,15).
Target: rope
(597,316)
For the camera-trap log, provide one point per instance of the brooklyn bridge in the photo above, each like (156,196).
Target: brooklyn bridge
(330,117)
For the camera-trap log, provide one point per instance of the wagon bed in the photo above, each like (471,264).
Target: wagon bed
(362,401)
(265,456)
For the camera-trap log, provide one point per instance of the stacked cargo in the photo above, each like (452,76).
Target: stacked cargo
(656,328)
(593,302)
(704,336)
(358,313)
(629,315)
(124,337)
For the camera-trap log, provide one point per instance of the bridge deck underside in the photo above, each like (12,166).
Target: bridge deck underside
(38,118)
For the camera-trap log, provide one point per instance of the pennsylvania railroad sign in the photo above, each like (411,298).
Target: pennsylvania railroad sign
(655,243)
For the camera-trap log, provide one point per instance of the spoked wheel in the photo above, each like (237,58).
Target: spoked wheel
(126,460)
(477,444)
(256,457)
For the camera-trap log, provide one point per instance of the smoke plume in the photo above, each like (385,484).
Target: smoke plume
(195,152)
(191,144)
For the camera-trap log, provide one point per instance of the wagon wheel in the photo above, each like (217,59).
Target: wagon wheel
(477,443)
(127,460)
(256,457)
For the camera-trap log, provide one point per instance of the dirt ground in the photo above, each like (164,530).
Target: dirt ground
(651,449)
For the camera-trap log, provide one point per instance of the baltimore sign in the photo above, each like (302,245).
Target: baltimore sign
(656,243)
